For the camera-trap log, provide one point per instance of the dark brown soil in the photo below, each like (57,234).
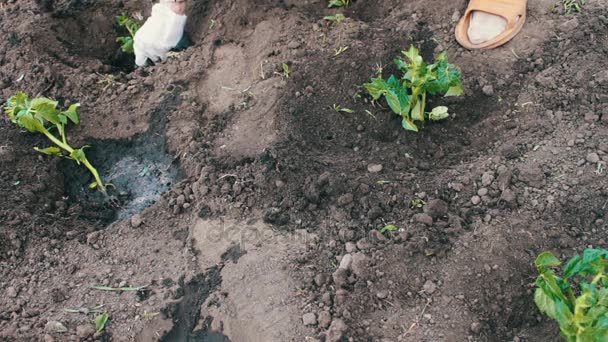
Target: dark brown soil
(275,190)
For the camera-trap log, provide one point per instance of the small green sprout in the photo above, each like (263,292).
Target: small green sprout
(338,3)
(100,322)
(339,50)
(339,108)
(132,26)
(42,116)
(212,24)
(286,71)
(388,228)
(571,6)
(417,203)
(338,18)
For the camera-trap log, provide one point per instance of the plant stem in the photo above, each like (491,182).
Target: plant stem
(86,163)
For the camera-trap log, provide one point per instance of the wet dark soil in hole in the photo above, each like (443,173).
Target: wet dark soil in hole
(139,168)
(187,312)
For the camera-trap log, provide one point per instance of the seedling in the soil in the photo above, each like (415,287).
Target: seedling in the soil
(339,108)
(571,6)
(100,322)
(212,24)
(339,50)
(338,18)
(106,81)
(338,3)
(132,26)
(578,300)
(388,228)
(42,116)
(407,96)
(417,203)
(286,71)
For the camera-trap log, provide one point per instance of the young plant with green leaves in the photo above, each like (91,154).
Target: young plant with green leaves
(40,115)
(407,95)
(338,18)
(132,26)
(578,300)
(338,3)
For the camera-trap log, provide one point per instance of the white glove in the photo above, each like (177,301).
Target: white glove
(160,33)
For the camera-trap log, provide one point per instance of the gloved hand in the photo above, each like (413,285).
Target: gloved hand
(159,34)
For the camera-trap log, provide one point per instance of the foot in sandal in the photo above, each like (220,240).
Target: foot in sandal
(487,24)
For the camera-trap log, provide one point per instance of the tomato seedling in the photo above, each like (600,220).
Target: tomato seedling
(578,300)
(338,3)
(42,116)
(132,26)
(407,96)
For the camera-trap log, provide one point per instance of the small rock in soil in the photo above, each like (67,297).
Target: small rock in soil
(360,265)
(475,200)
(510,151)
(569,26)
(487,178)
(320,279)
(136,221)
(429,287)
(436,208)
(488,90)
(374,213)
(55,327)
(276,216)
(374,168)
(476,327)
(345,199)
(350,247)
(423,218)
(85,331)
(532,175)
(336,330)
(509,197)
(593,158)
(309,319)
(340,277)
(346,262)
(11,292)
(92,238)
(324,319)
(382,294)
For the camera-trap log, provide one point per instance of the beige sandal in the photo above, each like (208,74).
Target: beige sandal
(514,11)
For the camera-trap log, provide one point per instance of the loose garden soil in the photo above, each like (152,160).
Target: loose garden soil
(263,205)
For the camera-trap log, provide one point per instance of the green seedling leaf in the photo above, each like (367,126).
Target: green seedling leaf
(388,228)
(417,203)
(339,50)
(118,289)
(339,108)
(51,151)
(338,18)
(439,113)
(100,322)
(286,71)
(93,185)
(338,3)
(579,301)
(407,95)
(132,26)
(546,259)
